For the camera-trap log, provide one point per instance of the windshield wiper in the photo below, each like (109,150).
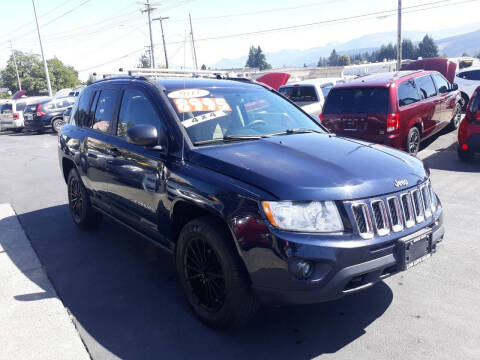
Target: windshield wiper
(228,138)
(294,131)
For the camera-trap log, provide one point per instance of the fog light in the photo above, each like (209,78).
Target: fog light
(302,269)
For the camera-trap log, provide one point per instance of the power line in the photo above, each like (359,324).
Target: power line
(372,15)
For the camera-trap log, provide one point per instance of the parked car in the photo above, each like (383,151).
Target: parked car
(469,131)
(468,80)
(255,200)
(396,109)
(47,114)
(309,94)
(11,115)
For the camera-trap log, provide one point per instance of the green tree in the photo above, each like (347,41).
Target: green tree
(204,67)
(91,79)
(61,75)
(427,48)
(343,60)
(333,58)
(144,61)
(322,62)
(257,59)
(465,54)
(409,50)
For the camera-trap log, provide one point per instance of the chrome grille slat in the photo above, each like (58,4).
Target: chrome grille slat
(383,215)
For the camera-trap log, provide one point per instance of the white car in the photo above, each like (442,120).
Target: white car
(310,94)
(467,80)
(11,115)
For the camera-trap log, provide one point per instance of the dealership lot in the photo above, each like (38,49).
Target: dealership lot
(126,302)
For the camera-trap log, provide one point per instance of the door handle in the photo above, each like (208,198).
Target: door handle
(114,152)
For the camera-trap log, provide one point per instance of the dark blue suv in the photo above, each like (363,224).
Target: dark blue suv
(256,201)
(45,115)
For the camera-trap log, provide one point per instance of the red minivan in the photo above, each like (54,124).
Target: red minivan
(398,109)
(469,131)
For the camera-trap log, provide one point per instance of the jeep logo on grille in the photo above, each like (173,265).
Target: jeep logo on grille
(400,183)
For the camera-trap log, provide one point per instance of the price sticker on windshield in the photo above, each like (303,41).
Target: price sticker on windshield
(201,105)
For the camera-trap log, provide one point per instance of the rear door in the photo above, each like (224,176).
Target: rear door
(357,112)
(431,104)
(96,146)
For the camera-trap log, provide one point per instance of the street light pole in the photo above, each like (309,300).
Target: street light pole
(148,10)
(399,36)
(41,49)
(160,19)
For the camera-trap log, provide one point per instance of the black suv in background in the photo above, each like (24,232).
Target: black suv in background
(255,200)
(46,114)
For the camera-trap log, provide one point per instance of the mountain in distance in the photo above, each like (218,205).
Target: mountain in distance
(453,42)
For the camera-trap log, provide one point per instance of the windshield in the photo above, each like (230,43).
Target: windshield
(371,100)
(216,114)
(303,93)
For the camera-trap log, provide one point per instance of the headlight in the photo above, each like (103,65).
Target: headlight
(315,216)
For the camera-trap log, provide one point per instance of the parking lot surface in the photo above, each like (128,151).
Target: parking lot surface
(126,303)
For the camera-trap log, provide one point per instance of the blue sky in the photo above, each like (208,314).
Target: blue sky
(103,35)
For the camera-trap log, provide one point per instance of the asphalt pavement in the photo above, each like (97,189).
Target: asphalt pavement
(126,303)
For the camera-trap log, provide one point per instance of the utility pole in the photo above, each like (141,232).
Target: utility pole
(399,36)
(149,10)
(160,19)
(41,49)
(15,63)
(193,43)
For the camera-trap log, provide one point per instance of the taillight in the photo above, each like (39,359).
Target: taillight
(39,111)
(16,116)
(393,122)
(320,116)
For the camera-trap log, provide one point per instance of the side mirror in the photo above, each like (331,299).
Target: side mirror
(454,87)
(148,136)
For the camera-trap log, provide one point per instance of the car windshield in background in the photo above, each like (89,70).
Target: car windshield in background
(224,114)
(299,93)
(371,100)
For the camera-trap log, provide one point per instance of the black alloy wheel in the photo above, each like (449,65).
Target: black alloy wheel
(413,141)
(204,275)
(83,214)
(213,278)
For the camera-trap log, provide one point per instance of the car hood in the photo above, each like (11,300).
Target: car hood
(313,166)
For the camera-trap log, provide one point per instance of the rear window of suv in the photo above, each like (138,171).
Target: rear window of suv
(303,93)
(364,100)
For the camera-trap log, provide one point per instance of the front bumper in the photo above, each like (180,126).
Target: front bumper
(340,267)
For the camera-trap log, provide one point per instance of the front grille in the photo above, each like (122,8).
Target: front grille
(394,213)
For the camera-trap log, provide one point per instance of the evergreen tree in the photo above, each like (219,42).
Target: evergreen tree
(409,50)
(144,61)
(427,48)
(333,58)
(256,59)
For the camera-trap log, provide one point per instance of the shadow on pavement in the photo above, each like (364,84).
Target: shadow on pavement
(448,160)
(123,293)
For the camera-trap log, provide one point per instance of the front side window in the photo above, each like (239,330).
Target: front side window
(104,110)
(218,114)
(407,93)
(443,85)
(426,87)
(299,94)
(136,109)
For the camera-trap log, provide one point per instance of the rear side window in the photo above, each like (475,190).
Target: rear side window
(105,110)
(407,93)
(136,109)
(426,87)
(443,85)
(470,75)
(302,93)
(371,100)
(6,107)
(83,108)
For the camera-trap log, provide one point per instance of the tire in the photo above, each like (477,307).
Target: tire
(465,155)
(17,130)
(413,141)
(464,101)
(220,297)
(57,124)
(83,214)
(457,117)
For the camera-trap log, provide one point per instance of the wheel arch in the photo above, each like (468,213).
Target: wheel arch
(67,165)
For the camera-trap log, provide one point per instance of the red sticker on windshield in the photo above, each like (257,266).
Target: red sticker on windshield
(201,105)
